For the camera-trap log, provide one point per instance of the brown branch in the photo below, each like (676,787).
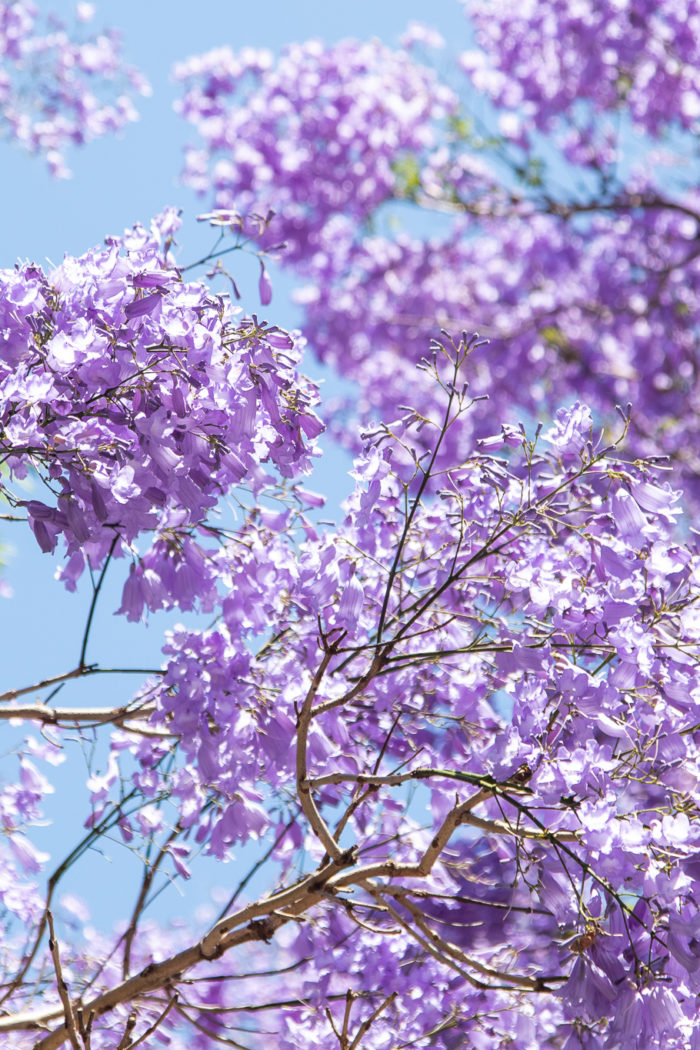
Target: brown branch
(77,672)
(261,920)
(366,1025)
(508,206)
(502,827)
(424,942)
(275,903)
(146,882)
(71,1031)
(393,869)
(95,832)
(254,868)
(156,1024)
(308,804)
(48,715)
(346,1019)
(373,782)
(85,1028)
(532,984)
(125,1041)
(159,975)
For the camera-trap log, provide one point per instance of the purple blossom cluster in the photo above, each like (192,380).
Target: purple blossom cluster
(513,637)
(520,650)
(534,628)
(137,400)
(58,90)
(276,135)
(20,810)
(610,312)
(460,728)
(593,291)
(540,62)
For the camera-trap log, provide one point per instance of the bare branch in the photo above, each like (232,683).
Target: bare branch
(77,672)
(311,812)
(124,716)
(71,1030)
(156,1024)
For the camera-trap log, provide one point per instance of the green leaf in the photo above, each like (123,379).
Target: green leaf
(407,173)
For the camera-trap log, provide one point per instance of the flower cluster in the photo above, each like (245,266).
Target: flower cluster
(541,61)
(276,136)
(529,638)
(55,89)
(139,399)
(20,860)
(610,312)
(594,291)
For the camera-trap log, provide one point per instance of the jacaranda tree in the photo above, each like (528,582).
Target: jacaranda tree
(457,733)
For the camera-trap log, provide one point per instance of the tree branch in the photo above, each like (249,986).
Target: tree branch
(71,1030)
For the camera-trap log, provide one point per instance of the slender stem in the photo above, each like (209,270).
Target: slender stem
(415,503)
(366,1025)
(210,256)
(77,672)
(146,882)
(95,595)
(156,1024)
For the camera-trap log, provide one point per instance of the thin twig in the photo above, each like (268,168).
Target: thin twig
(77,672)
(62,986)
(156,1024)
(367,1024)
(93,604)
(146,883)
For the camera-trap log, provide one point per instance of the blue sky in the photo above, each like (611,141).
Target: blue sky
(116,182)
(119,180)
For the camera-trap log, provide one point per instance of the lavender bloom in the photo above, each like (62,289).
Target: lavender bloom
(142,393)
(58,89)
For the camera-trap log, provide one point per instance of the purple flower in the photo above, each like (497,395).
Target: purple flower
(572,431)
(264,286)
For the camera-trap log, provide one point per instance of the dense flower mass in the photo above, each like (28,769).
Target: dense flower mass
(354,108)
(593,290)
(446,753)
(57,90)
(520,652)
(586,310)
(140,399)
(544,61)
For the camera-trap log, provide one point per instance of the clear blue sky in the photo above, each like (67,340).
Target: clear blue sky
(115,182)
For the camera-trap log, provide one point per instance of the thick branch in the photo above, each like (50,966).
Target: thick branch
(393,869)
(156,976)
